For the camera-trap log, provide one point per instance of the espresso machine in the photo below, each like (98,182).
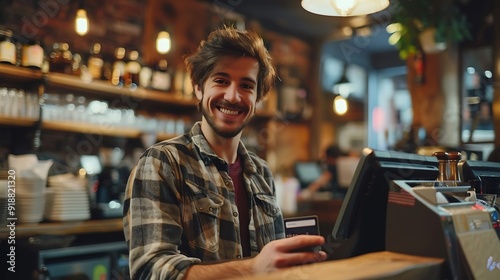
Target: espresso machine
(109,188)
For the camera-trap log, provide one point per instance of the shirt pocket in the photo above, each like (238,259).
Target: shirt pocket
(265,225)
(204,230)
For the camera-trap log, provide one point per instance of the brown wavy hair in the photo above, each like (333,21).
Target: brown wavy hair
(229,41)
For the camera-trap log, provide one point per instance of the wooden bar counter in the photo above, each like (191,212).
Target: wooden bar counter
(25,230)
(379,265)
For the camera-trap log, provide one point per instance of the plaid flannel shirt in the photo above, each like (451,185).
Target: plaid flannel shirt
(180,208)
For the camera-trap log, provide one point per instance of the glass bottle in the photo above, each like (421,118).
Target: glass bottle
(132,70)
(7,47)
(118,73)
(145,76)
(76,65)
(107,71)
(61,58)
(33,55)
(95,62)
(162,79)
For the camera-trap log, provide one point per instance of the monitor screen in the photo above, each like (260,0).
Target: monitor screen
(484,176)
(360,225)
(307,172)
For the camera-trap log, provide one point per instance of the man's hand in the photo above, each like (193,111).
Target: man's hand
(275,255)
(287,252)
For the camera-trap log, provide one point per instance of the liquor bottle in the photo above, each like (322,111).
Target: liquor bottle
(107,71)
(145,76)
(33,55)
(118,73)
(132,70)
(61,58)
(76,65)
(162,78)
(7,47)
(95,62)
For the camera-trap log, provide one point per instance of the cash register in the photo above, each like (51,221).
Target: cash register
(444,219)
(426,206)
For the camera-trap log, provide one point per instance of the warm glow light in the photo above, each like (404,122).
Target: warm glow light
(394,38)
(344,7)
(163,42)
(393,27)
(340,105)
(81,22)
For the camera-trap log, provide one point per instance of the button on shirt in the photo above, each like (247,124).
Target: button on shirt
(180,208)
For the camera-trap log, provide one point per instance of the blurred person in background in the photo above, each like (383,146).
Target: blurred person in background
(328,181)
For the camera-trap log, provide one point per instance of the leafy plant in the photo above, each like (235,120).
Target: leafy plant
(415,16)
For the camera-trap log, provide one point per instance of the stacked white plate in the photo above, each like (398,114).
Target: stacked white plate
(30,199)
(66,199)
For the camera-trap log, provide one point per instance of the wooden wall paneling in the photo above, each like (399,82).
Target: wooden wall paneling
(426,97)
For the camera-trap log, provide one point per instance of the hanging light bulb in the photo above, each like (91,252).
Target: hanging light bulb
(81,22)
(163,42)
(340,105)
(344,7)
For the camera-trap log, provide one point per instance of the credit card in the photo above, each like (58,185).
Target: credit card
(301,225)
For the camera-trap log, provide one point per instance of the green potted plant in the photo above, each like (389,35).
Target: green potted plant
(416,24)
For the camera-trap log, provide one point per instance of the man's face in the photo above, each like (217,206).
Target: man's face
(229,95)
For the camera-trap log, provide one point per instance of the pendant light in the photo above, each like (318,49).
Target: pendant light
(340,105)
(81,21)
(344,8)
(343,85)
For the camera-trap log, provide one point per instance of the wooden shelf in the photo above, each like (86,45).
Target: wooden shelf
(97,87)
(97,129)
(85,128)
(20,73)
(17,121)
(64,228)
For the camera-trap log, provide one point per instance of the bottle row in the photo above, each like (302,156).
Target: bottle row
(124,69)
(28,54)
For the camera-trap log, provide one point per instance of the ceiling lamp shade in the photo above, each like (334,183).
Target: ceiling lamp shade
(344,8)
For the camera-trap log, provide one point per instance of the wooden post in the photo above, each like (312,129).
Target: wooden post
(496,74)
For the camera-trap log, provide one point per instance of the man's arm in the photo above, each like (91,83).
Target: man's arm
(275,255)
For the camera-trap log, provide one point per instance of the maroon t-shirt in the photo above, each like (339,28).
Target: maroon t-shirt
(241,196)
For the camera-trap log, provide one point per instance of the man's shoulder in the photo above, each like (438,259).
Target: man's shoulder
(176,145)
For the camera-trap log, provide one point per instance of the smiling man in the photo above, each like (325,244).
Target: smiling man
(200,206)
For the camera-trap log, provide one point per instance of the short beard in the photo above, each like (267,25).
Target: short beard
(224,134)
(211,123)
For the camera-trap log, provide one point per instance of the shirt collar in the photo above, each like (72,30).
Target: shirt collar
(208,155)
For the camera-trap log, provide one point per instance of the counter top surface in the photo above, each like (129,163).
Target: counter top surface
(22,230)
(378,265)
